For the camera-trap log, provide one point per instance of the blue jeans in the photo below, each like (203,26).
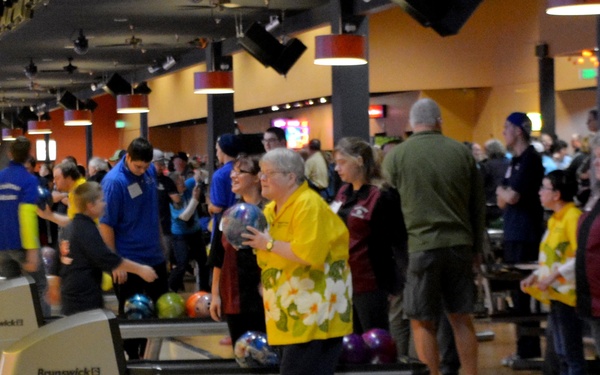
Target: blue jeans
(568,340)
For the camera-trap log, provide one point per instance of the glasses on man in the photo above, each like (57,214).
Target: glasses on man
(269,140)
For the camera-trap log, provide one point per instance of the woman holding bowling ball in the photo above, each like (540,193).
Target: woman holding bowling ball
(303,257)
(371,211)
(236,276)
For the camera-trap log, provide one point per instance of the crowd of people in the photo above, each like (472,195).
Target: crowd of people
(372,254)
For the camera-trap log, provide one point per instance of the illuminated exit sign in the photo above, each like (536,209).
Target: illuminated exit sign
(588,73)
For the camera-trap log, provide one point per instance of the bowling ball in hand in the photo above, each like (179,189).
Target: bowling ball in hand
(44,198)
(382,347)
(203,305)
(237,217)
(190,303)
(139,306)
(170,305)
(49,257)
(354,349)
(252,350)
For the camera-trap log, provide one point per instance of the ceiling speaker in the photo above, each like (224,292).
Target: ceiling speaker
(69,101)
(261,44)
(291,52)
(117,85)
(445,17)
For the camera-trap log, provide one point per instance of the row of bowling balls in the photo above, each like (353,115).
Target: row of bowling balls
(374,346)
(169,305)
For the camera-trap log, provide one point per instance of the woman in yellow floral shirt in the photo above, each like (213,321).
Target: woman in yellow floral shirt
(306,280)
(554,280)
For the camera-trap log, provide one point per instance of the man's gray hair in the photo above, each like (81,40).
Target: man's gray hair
(98,163)
(425,112)
(285,160)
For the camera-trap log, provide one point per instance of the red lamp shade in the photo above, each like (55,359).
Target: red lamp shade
(11,134)
(38,127)
(78,117)
(132,103)
(573,7)
(218,82)
(340,49)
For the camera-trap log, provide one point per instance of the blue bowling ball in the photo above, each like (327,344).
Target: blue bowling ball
(237,217)
(49,257)
(139,306)
(44,198)
(252,350)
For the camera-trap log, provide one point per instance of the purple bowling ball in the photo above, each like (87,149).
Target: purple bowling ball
(381,346)
(237,218)
(354,349)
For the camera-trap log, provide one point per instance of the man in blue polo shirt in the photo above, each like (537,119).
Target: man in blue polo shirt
(20,242)
(131,227)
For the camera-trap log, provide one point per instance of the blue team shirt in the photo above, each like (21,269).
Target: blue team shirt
(220,187)
(132,212)
(16,186)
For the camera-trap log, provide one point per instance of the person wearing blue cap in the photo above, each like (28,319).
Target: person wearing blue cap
(523,218)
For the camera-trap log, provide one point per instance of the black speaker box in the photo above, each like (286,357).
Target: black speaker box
(252,143)
(261,44)
(445,17)
(69,101)
(90,104)
(292,51)
(117,85)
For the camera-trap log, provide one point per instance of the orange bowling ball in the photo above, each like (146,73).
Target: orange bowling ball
(190,303)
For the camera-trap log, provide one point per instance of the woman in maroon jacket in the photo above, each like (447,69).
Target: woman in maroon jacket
(236,276)
(372,214)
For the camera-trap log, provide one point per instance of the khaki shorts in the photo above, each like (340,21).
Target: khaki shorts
(439,280)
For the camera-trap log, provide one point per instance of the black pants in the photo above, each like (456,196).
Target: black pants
(528,345)
(317,357)
(239,324)
(135,284)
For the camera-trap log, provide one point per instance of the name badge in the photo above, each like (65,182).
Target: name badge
(134,190)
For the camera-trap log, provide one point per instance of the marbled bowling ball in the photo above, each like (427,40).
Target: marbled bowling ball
(139,306)
(170,305)
(190,303)
(237,217)
(382,347)
(354,349)
(44,198)
(203,305)
(252,350)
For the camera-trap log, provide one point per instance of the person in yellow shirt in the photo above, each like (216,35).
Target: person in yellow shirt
(303,256)
(554,280)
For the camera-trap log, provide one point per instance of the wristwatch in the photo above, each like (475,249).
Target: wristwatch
(270,245)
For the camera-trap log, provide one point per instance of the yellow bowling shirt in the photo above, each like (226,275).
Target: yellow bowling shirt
(557,251)
(72,210)
(306,302)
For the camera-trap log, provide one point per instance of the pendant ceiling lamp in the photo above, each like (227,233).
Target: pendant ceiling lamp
(573,7)
(38,127)
(11,134)
(78,117)
(132,103)
(217,82)
(340,50)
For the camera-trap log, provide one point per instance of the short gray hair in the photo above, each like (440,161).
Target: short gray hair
(285,160)
(494,149)
(425,112)
(98,163)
